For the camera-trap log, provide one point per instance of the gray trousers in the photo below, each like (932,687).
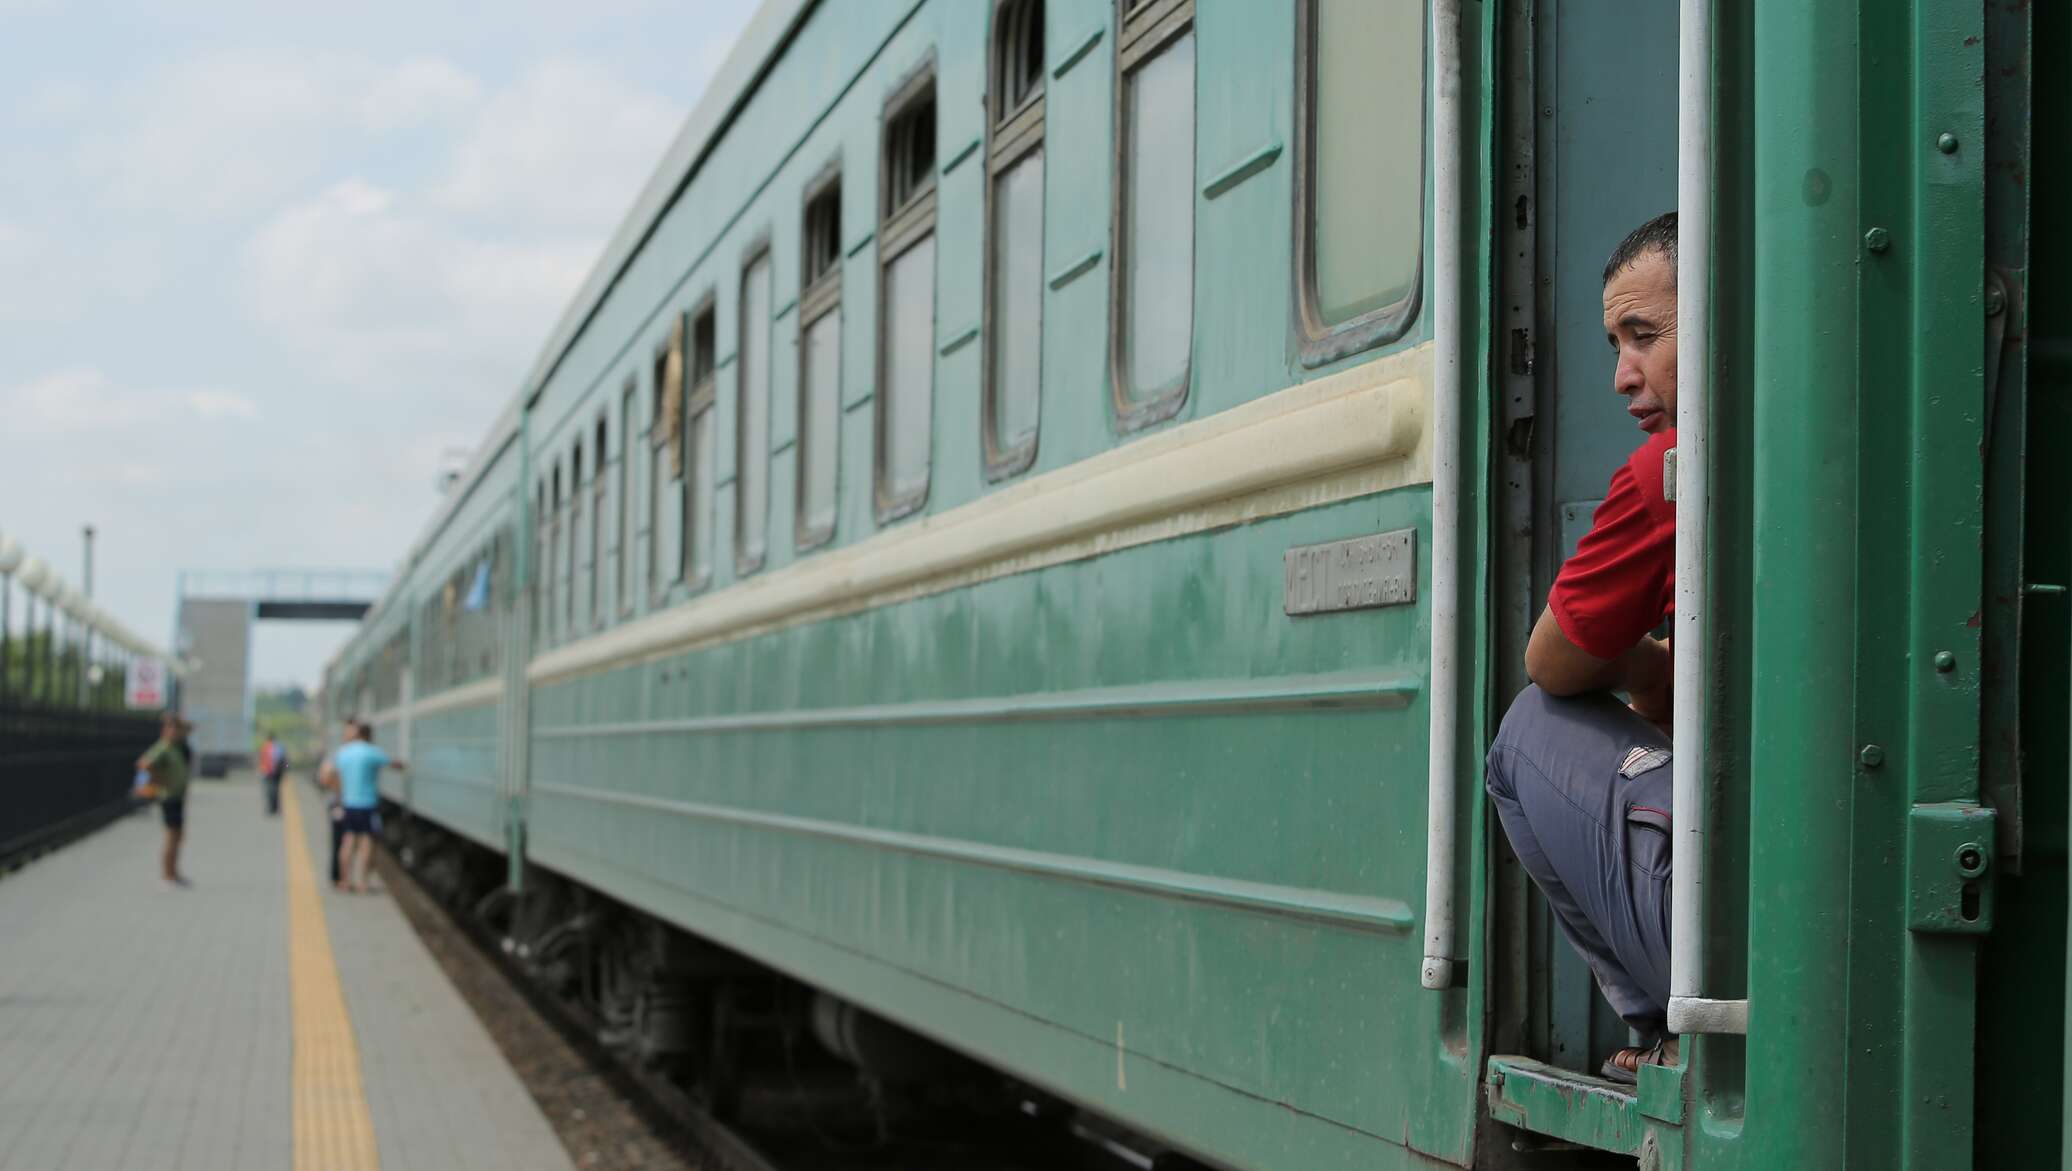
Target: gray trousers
(1582,787)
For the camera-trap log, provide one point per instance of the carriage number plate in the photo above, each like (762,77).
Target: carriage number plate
(1353,574)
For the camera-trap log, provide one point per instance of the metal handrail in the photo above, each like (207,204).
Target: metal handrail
(1436,971)
(1690,1010)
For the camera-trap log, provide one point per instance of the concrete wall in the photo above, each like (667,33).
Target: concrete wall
(216,633)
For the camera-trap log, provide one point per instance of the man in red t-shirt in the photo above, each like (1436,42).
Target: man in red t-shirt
(1579,779)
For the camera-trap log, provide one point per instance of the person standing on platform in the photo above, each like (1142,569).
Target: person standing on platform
(334,813)
(165,762)
(359,763)
(273,765)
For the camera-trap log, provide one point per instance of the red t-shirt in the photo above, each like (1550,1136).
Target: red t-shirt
(1621,581)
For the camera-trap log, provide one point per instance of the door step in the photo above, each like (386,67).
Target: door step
(1590,1111)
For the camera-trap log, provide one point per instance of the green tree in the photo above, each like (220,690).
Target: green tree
(284,711)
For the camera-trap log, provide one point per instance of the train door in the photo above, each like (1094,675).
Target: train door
(517,619)
(1591,140)
(409,694)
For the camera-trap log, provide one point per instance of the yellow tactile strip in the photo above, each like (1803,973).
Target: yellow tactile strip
(333,1129)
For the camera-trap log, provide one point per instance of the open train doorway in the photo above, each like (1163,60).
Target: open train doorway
(1590,153)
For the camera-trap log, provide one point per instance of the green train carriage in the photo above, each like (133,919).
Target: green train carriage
(1031,522)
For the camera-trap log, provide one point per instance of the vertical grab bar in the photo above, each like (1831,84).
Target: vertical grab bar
(1690,1011)
(1440,829)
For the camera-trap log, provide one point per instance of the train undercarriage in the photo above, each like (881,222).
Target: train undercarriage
(766,1070)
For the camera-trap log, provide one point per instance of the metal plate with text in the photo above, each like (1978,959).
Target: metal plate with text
(1353,574)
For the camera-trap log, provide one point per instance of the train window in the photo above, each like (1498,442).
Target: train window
(665,459)
(820,362)
(696,551)
(1014,259)
(906,328)
(626,497)
(752,427)
(598,455)
(1361,181)
(575,528)
(1152,281)
(1017,57)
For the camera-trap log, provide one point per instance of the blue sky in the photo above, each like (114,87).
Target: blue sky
(263,265)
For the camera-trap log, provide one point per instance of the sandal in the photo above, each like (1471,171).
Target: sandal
(1662,1052)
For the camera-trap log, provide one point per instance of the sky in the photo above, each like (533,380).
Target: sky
(264,267)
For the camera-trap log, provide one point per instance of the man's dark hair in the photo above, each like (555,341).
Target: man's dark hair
(1656,235)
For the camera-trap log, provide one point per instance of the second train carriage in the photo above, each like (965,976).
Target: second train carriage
(971,546)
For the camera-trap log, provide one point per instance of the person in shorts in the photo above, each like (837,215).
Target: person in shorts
(334,813)
(166,764)
(358,764)
(273,765)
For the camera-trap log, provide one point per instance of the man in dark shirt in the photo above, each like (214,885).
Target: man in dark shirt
(1580,780)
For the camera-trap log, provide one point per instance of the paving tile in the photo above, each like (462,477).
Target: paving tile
(143,1026)
(442,1096)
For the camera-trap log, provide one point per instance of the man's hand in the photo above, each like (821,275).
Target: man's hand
(1561,667)
(1655,706)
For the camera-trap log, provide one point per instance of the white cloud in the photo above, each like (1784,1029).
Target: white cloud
(249,296)
(568,146)
(450,287)
(416,92)
(83,399)
(55,99)
(231,135)
(380,294)
(48,276)
(220,404)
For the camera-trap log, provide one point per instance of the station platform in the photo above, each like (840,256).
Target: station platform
(256,1019)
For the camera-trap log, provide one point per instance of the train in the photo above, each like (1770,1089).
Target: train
(1023,538)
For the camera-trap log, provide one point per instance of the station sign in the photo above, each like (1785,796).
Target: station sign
(146,684)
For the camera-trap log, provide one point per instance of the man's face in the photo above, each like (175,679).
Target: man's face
(1640,322)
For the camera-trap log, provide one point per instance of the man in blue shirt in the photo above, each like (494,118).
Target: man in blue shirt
(358,764)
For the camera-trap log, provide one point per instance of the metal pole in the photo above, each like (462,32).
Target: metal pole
(1690,1009)
(61,646)
(86,643)
(1441,781)
(6,650)
(48,664)
(29,649)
